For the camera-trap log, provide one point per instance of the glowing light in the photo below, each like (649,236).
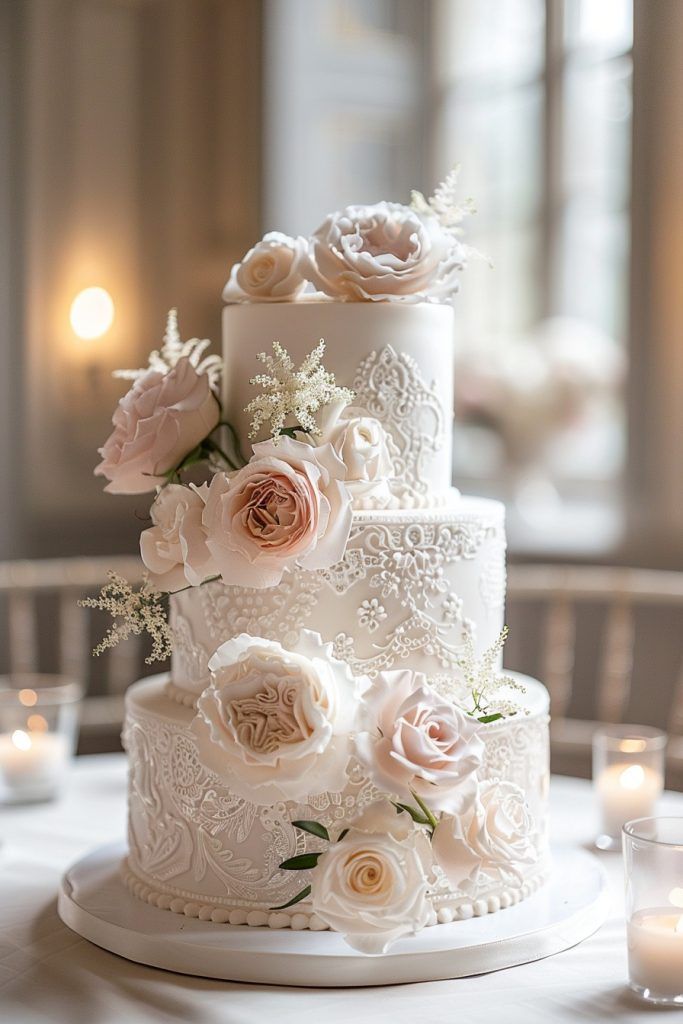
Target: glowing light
(632,746)
(28,698)
(632,777)
(676,896)
(21,740)
(37,723)
(92,313)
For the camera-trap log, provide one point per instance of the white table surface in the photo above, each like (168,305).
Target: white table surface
(47,973)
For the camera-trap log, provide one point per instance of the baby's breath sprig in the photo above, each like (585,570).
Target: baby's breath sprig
(480,683)
(135,612)
(288,392)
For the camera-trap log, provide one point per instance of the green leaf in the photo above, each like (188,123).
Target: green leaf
(301,862)
(418,818)
(295,899)
(485,719)
(314,827)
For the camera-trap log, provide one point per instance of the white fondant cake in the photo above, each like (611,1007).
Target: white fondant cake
(335,745)
(198,849)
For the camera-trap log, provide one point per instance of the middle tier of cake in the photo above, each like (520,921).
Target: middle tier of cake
(411,587)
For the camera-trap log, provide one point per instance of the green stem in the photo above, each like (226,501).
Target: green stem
(191,586)
(425,810)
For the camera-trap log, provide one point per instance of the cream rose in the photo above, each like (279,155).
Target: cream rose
(174,549)
(412,740)
(494,836)
(362,444)
(156,424)
(270,272)
(372,885)
(275,724)
(288,506)
(386,252)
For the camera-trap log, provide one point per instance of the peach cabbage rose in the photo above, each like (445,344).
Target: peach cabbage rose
(270,271)
(385,252)
(156,424)
(275,724)
(174,548)
(362,444)
(495,835)
(372,885)
(288,506)
(412,740)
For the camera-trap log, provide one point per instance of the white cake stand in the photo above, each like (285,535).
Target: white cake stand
(94,902)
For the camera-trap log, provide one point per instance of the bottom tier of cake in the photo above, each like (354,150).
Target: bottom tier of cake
(198,849)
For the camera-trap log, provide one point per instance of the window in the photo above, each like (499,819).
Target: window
(533,99)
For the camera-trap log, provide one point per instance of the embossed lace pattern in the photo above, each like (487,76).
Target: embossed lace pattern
(188,832)
(392,599)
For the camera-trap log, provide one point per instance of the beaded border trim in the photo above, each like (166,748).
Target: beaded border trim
(299,921)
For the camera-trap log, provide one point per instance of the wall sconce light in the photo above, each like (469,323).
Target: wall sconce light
(92,313)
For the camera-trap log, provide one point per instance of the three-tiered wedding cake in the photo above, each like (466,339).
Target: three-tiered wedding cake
(335,745)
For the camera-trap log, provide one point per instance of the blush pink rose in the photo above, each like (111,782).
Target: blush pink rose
(384,253)
(156,424)
(174,548)
(288,506)
(270,272)
(412,740)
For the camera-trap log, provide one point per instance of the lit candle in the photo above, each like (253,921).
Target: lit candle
(627,791)
(655,951)
(32,764)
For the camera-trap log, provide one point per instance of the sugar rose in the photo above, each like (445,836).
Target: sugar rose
(495,835)
(412,740)
(156,424)
(270,272)
(372,885)
(288,506)
(362,444)
(385,252)
(274,724)
(174,548)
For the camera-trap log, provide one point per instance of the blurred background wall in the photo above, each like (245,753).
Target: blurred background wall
(146,144)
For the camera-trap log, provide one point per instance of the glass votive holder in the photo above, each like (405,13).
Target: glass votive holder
(653,863)
(38,734)
(628,777)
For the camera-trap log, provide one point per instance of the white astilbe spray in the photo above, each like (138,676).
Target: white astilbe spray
(449,210)
(287,392)
(479,687)
(135,612)
(164,359)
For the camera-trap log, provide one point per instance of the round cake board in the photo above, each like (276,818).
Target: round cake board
(95,903)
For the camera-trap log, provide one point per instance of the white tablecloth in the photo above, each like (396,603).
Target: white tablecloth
(47,973)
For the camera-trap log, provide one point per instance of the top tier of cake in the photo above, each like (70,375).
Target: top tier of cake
(398,359)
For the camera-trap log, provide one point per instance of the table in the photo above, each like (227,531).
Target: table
(49,974)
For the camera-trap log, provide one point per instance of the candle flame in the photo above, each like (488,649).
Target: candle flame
(28,698)
(632,777)
(38,723)
(632,745)
(21,740)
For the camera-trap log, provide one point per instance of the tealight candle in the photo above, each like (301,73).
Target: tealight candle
(38,726)
(627,791)
(628,774)
(32,764)
(653,861)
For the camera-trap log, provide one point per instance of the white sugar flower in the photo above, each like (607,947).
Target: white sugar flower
(372,885)
(288,392)
(371,613)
